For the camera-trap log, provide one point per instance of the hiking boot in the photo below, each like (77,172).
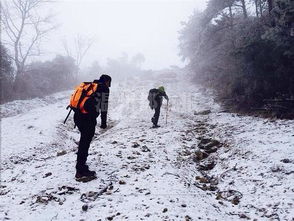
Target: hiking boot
(85,170)
(85,176)
(155,126)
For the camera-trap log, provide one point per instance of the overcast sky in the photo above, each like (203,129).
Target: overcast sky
(146,26)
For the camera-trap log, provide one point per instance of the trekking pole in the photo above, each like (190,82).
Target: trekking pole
(67,115)
(166,113)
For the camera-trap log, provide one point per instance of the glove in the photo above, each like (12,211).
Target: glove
(103,126)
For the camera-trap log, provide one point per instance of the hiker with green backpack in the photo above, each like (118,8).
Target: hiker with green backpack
(89,100)
(155,98)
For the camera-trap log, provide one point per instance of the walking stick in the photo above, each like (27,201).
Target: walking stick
(67,115)
(166,113)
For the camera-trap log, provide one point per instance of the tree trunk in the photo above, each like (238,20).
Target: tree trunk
(256,8)
(244,9)
(260,8)
(231,12)
(231,16)
(270,8)
(270,5)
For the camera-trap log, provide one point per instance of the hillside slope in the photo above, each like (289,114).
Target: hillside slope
(143,173)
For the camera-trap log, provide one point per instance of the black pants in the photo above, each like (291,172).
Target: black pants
(86,126)
(156,115)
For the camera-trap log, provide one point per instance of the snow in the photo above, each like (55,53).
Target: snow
(150,173)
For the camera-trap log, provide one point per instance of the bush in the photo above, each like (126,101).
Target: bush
(6,75)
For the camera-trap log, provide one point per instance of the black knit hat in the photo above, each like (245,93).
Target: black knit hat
(104,78)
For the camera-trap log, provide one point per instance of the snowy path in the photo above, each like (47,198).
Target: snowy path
(143,173)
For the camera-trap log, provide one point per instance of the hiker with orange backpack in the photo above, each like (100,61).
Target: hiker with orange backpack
(88,101)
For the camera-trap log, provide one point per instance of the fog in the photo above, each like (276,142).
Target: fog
(117,27)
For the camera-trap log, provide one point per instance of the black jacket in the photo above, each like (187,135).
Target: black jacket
(97,103)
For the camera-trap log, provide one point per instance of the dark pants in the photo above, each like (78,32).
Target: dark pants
(86,126)
(156,115)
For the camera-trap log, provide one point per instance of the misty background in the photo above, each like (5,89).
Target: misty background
(242,50)
(77,40)
(146,26)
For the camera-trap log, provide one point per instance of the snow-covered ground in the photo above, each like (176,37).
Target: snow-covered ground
(143,173)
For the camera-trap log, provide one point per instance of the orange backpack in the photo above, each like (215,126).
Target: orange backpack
(81,94)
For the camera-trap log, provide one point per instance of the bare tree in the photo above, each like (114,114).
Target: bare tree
(79,49)
(24,28)
(243,6)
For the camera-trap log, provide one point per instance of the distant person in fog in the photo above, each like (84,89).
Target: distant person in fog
(155,98)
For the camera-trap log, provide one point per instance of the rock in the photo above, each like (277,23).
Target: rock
(212,188)
(164,210)
(202,179)
(135,145)
(188,218)
(85,207)
(136,153)
(63,152)
(145,149)
(131,157)
(232,196)
(203,140)
(211,150)
(209,145)
(235,200)
(186,153)
(193,147)
(114,142)
(243,216)
(122,182)
(276,169)
(213,143)
(47,174)
(148,215)
(207,165)
(183,205)
(66,190)
(110,187)
(206,143)
(199,155)
(285,161)
(205,112)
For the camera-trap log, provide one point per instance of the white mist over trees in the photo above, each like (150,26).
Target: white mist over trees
(78,49)
(245,55)
(87,39)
